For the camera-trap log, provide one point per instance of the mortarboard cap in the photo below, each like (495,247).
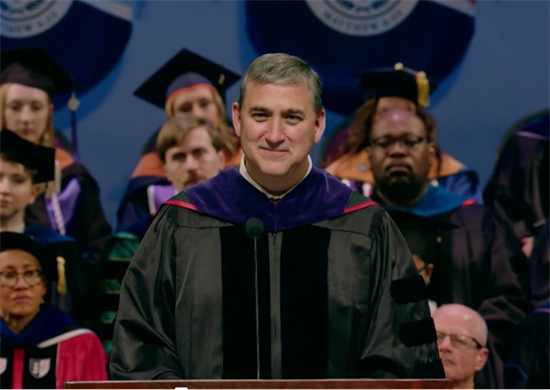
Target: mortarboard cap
(32,156)
(183,70)
(397,81)
(48,261)
(422,234)
(33,67)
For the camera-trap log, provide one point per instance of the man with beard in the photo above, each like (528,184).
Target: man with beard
(191,150)
(481,263)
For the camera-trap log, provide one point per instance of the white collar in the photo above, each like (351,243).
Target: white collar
(244,172)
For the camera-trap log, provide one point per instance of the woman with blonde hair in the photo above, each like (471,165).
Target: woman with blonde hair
(190,84)
(29,79)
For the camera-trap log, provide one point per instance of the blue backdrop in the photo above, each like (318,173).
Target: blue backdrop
(504,75)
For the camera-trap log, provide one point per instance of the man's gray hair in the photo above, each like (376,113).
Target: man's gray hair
(283,69)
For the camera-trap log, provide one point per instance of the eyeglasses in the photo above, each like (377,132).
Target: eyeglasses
(408,141)
(32,277)
(459,341)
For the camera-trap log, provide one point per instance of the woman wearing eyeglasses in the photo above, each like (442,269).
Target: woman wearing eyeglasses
(42,347)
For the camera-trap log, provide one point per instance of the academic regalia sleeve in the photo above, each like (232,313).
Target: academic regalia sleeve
(91,228)
(540,267)
(527,367)
(518,186)
(505,301)
(81,358)
(144,343)
(401,339)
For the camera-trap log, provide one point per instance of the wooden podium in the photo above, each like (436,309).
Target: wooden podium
(270,384)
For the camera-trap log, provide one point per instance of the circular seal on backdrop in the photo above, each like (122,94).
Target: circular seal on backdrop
(340,38)
(22,19)
(86,37)
(361,17)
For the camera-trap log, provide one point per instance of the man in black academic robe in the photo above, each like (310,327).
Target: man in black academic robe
(480,263)
(337,294)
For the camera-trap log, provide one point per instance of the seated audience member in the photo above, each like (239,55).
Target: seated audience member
(189,84)
(481,264)
(347,156)
(461,340)
(42,347)
(24,166)
(529,362)
(71,206)
(518,192)
(191,150)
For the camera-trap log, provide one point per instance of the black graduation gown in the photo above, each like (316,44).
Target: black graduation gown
(540,267)
(489,272)
(518,187)
(87,223)
(339,296)
(480,265)
(527,367)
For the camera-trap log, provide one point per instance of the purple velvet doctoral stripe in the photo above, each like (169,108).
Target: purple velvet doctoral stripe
(68,199)
(228,196)
(161,193)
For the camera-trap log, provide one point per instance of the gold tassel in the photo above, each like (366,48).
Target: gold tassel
(423,87)
(61,280)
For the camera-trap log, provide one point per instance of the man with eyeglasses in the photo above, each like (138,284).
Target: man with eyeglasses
(481,264)
(461,339)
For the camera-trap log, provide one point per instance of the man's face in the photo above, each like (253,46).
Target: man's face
(16,190)
(277,125)
(27,112)
(198,101)
(459,361)
(400,155)
(194,160)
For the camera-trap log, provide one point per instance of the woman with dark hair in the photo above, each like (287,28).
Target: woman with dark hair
(42,347)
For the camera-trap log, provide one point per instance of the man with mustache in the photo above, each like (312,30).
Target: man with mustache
(481,263)
(191,150)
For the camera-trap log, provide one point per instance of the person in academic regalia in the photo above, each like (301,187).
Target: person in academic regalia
(540,267)
(23,167)
(347,156)
(481,264)
(71,205)
(462,343)
(42,346)
(518,192)
(191,150)
(337,293)
(527,366)
(187,83)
